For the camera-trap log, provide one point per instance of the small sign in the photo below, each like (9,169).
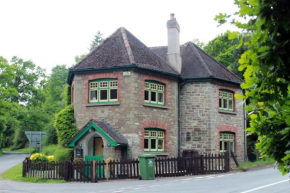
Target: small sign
(150,163)
(127,73)
(79,153)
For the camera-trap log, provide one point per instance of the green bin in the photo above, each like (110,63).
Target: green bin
(147,166)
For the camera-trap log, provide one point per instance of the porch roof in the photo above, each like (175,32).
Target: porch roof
(105,129)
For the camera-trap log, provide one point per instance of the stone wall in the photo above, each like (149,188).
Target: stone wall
(130,116)
(200,116)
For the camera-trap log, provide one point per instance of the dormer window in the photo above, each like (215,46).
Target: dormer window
(154,93)
(103,91)
(226,100)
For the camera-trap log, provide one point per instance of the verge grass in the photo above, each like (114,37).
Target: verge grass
(24,150)
(15,174)
(248,165)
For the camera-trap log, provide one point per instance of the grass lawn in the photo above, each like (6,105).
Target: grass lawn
(248,165)
(15,173)
(24,150)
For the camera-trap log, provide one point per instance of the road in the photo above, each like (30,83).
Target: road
(265,181)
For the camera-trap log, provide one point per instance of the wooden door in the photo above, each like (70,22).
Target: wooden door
(98,146)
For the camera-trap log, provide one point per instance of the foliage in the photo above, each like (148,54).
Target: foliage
(78,161)
(262,162)
(49,150)
(198,43)
(15,174)
(267,74)
(67,95)
(51,137)
(38,158)
(227,51)
(20,140)
(65,125)
(63,154)
(50,158)
(79,57)
(97,40)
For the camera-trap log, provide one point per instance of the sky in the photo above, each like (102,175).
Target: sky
(53,32)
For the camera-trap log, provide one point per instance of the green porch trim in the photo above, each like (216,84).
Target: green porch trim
(98,129)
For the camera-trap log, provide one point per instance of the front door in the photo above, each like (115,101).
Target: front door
(98,146)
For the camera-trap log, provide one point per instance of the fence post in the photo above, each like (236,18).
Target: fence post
(24,168)
(227,161)
(201,164)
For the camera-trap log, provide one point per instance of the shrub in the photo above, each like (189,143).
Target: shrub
(49,150)
(19,140)
(38,158)
(78,161)
(65,125)
(63,154)
(50,158)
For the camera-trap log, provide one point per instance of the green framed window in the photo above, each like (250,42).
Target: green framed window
(225,139)
(154,140)
(154,93)
(103,91)
(226,100)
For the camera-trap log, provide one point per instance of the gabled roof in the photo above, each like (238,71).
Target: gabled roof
(123,49)
(104,129)
(198,64)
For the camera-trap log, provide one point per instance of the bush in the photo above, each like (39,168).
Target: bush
(65,125)
(19,140)
(50,158)
(78,161)
(49,150)
(38,158)
(51,137)
(63,154)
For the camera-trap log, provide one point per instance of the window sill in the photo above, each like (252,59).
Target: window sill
(157,153)
(102,104)
(156,106)
(227,112)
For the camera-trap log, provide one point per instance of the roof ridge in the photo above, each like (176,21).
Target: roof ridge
(127,45)
(192,45)
(219,63)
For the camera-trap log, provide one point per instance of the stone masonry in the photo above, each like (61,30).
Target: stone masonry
(200,116)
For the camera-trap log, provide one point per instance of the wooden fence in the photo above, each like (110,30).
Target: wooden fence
(130,168)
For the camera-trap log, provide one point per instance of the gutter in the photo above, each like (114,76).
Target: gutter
(131,66)
(205,79)
(179,117)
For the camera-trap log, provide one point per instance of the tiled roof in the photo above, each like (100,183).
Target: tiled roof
(198,64)
(123,49)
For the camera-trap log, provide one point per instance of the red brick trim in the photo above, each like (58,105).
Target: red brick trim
(158,125)
(90,77)
(234,90)
(159,79)
(227,128)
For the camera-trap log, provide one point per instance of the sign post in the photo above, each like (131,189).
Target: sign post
(35,139)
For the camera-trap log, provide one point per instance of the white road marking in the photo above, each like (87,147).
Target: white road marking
(261,187)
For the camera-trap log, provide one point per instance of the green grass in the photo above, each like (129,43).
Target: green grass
(15,174)
(248,165)
(1,153)
(24,150)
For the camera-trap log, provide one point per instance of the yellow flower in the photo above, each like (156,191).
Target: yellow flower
(50,158)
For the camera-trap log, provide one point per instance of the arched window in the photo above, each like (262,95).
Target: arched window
(226,100)
(154,140)
(227,138)
(103,90)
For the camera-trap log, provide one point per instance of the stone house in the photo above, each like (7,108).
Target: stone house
(129,98)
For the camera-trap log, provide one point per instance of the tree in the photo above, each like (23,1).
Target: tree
(96,41)
(198,43)
(267,74)
(226,51)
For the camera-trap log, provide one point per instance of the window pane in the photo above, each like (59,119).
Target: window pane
(230,104)
(153,143)
(146,97)
(103,84)
(232,145)
(114,84)
(160,87)
(93,85)
(147,85)
(220,103)
(160,97)
(153,86)
(153,96)
(104,95)
(226,145)
(225,104)
(153,134)
(94,95)
(146,134)
(160,134)
(160,144)
(113,94)
(221,146)
(146,144)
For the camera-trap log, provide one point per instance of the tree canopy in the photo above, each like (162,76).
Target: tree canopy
(267,73)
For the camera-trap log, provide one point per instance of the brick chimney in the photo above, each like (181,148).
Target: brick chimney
(173,51)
